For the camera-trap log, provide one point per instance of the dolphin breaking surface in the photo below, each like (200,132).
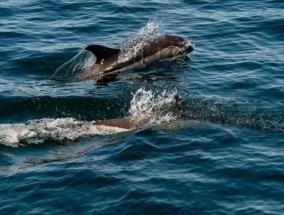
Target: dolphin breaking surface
(146,108)
(149,45)
(109,60)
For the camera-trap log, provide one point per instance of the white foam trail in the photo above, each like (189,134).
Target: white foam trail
(37,131)
(154,107)
(134,44)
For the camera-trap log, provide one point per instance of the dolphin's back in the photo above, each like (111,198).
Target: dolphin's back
(124,123)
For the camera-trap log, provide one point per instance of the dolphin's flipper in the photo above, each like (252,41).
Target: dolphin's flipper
(101,52)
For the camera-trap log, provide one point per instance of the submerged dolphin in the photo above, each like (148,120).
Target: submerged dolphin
(129,123)
(109,60)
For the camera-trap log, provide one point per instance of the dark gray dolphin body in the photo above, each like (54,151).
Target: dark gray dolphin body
(109,60)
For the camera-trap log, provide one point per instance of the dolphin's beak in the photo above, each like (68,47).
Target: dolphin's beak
(189,48)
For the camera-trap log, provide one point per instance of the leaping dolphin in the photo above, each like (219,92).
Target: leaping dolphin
(109,60)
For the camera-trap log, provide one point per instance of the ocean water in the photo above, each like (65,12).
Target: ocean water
(221,154)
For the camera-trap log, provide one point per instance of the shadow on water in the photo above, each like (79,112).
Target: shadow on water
(232,114)
(65,150)
(53,151)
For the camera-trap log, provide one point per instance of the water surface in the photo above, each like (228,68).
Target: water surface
(223,156)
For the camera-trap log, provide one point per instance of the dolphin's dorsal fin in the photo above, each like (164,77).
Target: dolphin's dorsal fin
(101,52)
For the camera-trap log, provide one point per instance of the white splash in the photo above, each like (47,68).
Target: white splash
(152,107)
(134,44)
(81,62)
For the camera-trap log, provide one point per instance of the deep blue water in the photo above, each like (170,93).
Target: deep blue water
(223,156)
